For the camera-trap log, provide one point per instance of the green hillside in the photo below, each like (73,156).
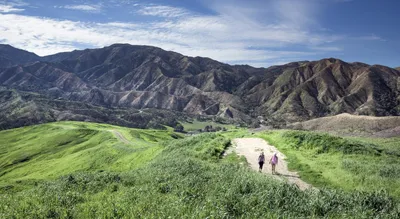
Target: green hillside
(56,149)
(86,170)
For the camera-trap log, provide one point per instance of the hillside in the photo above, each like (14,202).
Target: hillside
(329,87)
(353,124)
(57,149)
(20,108)
(88,170)
(145,77)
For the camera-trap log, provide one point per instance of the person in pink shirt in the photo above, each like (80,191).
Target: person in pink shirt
(274,161)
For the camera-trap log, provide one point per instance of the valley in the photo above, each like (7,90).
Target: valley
(136,131)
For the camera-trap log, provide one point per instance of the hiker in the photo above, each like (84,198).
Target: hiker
(274,161)
(261,160)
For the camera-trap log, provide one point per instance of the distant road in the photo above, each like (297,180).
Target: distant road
(251,148)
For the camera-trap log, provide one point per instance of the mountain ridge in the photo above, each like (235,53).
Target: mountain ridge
(10,56)
(122,75)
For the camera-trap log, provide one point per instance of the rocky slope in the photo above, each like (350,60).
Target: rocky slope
(20,108)
(141,77)
(329,87)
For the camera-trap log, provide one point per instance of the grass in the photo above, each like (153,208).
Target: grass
(56,149)
(343,163)
(391,145)
(185,178)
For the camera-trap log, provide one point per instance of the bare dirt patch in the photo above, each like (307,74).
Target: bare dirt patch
(251,149)
(120,137)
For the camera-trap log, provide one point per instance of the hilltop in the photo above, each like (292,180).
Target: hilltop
(123,76)
(388,126)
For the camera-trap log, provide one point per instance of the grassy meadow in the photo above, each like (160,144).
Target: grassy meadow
(85,170)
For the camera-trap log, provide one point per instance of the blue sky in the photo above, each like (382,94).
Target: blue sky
(255,32)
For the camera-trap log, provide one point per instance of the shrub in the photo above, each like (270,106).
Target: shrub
(326,143)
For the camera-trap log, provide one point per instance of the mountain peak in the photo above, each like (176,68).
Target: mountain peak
(10,56)
(6,49)
(130,46)
(332,61)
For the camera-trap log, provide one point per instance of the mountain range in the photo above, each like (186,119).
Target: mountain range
(144,86)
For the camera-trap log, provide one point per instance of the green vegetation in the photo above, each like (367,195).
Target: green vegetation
(345,163)
(391,145)
(181,178)
(196,125)
(56,149)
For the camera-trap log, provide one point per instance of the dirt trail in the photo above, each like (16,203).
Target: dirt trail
(251,149)
(120,137)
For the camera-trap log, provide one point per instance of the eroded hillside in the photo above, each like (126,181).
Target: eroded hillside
(139,77)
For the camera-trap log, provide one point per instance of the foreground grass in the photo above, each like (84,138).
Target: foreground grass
(56,149)
(346,163)
(188,179)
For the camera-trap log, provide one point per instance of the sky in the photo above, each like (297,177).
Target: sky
(260,33)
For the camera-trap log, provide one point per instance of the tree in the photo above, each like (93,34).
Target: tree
(179,128)
(208,128)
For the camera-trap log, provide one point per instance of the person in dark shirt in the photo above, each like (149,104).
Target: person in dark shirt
(261,160)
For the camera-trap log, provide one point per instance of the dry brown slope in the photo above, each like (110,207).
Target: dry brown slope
(352,124)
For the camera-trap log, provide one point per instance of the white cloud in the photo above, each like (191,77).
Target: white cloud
(327,48)
(370,37)
(119,24)
(296,13)
(9,8)
(162,11)
(234,36)
(85,8)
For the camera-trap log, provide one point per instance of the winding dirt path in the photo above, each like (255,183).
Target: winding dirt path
(120,136)
(251,149)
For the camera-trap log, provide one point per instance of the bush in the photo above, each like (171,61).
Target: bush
(326,143)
